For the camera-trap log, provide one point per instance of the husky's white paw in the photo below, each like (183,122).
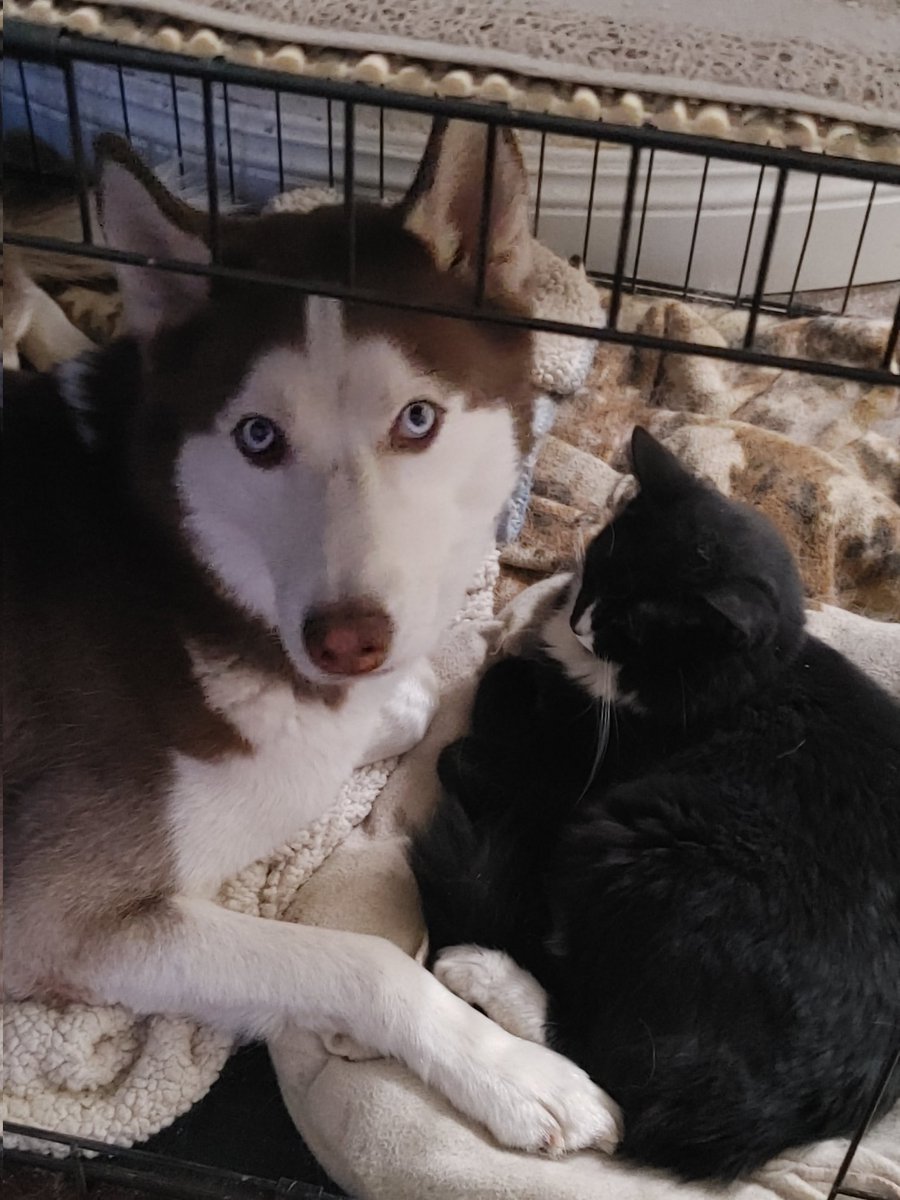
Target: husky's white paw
(531,1098)
(405,717)
(493,981)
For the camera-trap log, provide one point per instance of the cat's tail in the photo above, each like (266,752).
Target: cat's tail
(465,880)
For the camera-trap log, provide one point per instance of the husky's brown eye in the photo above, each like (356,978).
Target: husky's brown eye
(260,441)
(416,426)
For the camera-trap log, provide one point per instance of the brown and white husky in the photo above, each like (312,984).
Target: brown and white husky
(232,540)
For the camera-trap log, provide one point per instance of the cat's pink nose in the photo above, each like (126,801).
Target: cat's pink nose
(350,637)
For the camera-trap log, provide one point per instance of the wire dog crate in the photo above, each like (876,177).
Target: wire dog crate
(199,99)
(231,123)
(89,1166)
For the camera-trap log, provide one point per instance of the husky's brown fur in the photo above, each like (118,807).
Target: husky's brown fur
(152,703)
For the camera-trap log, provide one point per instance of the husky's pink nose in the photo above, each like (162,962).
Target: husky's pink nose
(351,637)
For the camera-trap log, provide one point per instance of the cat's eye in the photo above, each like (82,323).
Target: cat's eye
(260,440)
(416,426)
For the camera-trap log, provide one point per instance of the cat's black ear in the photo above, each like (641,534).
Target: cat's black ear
(657,469)
(748,609)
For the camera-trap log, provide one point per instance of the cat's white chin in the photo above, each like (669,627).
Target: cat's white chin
(573,650)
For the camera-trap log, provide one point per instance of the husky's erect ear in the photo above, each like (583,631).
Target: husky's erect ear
(443,206)
(139,216)
(658,471)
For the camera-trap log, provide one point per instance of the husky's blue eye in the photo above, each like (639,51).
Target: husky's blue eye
(417,419)
(260,441)
(416,426)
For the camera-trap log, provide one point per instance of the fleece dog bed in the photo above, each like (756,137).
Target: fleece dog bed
(823,458)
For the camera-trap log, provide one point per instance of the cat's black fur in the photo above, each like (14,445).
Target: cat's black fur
(712,903)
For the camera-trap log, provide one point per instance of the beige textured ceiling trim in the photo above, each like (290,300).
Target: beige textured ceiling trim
(751,124)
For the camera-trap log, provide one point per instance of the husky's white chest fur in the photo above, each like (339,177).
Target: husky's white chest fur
(299,750)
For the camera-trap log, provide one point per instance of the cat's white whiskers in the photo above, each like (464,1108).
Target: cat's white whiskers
(581,550)
(603,709)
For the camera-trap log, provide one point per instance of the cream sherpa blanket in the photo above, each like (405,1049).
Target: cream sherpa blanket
(823,457)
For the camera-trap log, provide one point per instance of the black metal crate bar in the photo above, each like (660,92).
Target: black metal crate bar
(54,47)
(84,1163)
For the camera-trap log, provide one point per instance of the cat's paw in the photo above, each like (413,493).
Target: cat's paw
(540,1100)
(525,612)
(404,719)
(495,983)
(342,1045)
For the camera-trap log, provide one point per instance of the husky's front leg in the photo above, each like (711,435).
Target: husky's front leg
(403,719)
(255,976)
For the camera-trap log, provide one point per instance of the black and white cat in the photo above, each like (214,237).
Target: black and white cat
(670,844)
